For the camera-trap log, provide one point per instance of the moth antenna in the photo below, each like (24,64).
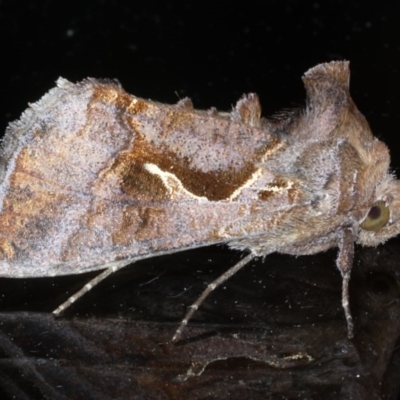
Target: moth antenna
(210,287)
(89,286)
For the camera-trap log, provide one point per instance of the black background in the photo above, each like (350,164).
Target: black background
(212,52)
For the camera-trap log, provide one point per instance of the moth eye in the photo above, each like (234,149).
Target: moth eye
(377,217)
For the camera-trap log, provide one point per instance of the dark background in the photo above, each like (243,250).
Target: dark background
(212,52)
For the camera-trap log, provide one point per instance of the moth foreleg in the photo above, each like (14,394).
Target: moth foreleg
(213,285)
(345,262)
(89,286)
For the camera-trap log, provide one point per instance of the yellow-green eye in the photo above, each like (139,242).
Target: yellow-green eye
(377,217)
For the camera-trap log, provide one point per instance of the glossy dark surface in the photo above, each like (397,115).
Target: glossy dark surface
(275,332)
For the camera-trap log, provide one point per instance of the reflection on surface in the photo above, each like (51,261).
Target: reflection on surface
(276,329)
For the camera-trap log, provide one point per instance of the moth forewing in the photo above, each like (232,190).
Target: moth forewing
(93,178)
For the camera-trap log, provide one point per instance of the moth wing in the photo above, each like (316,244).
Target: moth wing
(91,175)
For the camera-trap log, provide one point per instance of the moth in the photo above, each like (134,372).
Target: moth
(93,178)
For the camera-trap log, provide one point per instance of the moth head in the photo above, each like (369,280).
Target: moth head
(382,220)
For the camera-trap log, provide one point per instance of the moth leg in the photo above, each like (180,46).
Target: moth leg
(213,285)
(345,262)
(90,285)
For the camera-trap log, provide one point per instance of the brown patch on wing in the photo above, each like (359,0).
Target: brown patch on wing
(266,195)
(6,249)
(112,94)
(29,209)
(294,193)
(279,186)
(138,183)
(216,185)
(139,224)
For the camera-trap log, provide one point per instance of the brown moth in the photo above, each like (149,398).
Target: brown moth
(93,178)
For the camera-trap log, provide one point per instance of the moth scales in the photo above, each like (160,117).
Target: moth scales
(93,178)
